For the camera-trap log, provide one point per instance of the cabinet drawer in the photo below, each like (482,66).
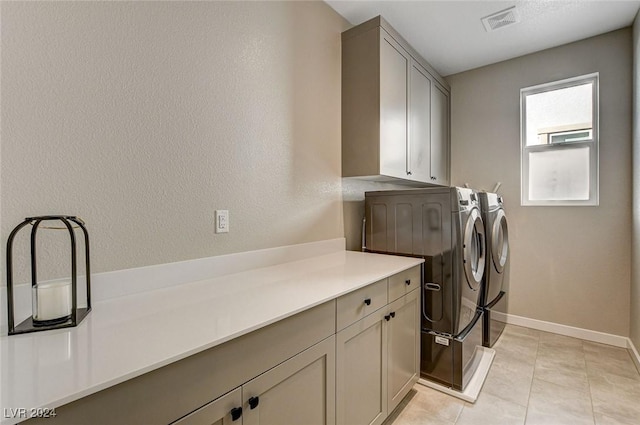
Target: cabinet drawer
(404,282)
(223,410)
(358,304)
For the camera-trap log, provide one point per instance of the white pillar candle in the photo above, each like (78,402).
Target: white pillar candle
(51,300)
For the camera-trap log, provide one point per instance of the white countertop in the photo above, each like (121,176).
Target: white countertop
(128,336)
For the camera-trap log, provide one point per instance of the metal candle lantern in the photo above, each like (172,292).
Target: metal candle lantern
(55,303)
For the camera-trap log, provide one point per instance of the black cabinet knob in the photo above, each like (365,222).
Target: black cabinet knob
(387,317)
(236,412)
(367,301)
(253,402)
(392,314)
(407,282)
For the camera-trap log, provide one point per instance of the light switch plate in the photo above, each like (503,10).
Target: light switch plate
(222,221)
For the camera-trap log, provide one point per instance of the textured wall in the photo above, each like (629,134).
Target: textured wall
(635,259)
(144,117)
(569,265)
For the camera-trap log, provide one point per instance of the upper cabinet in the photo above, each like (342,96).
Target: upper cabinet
(395,109)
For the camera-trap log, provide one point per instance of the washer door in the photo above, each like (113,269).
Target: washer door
(474,249)
(500,241)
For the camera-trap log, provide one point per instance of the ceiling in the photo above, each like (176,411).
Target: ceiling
(452,38)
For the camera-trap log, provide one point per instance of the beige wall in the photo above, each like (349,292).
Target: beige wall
(145,117)
(569,265)
(635,259)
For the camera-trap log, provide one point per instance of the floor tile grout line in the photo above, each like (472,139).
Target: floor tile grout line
(459,414)
(533,375)
(593,412)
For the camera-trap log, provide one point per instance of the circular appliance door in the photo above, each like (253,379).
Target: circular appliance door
(474,249)
(500,241)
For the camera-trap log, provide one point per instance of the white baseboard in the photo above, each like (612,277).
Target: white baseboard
(634,353)
(586,334)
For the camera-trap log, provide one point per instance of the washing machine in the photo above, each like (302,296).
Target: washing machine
(496,275)
(444,226)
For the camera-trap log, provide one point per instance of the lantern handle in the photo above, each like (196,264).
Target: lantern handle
(12,235)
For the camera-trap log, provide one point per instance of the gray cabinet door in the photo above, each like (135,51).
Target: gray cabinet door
(298,391)
(439,136)
(361,372)
(394,67)
(419,152)
(218,412)
(403,339)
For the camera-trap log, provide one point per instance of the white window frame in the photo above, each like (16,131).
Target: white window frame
(592,144)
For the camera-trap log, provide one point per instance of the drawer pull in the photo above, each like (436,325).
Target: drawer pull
(387,317)
(392,314)
(407,282)
(367,301)
(236,412)
(253,402)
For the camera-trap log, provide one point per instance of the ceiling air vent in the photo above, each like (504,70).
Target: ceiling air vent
(500,19)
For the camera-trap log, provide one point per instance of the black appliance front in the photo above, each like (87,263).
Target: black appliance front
(425,223)
(418,222)
(451,361)
(496,277)
(494,320)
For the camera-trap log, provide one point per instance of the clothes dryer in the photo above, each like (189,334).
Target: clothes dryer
(496,276)
(444,226)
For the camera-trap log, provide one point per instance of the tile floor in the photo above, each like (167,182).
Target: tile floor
(538,378)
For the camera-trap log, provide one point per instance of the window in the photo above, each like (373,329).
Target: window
(559,142)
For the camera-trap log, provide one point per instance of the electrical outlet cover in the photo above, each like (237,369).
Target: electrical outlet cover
(222,221)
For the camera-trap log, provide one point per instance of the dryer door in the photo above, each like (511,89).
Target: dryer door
(500,241)
(474,249)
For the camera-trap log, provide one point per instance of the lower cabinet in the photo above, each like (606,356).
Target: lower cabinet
(403,339)
(361,385)
(377,362)
(300,390)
